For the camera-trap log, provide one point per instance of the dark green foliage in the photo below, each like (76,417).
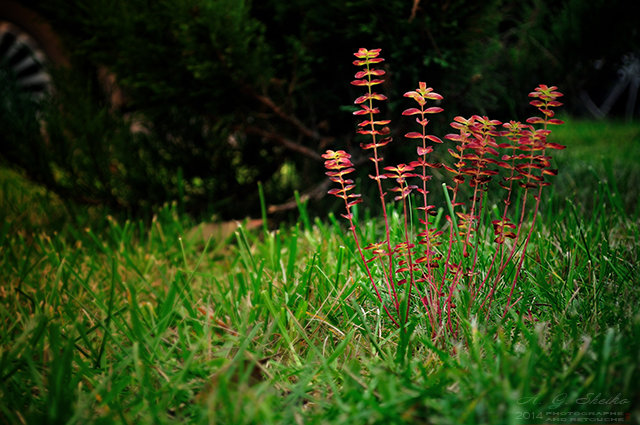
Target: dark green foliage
(229,92)
(233,92)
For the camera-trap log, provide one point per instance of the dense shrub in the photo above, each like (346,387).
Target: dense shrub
(233,92)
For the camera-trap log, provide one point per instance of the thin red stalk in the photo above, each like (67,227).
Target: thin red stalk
(428,248)
(455,280)
(421,95)
(362,256)
(408,255)
(366,266)
(475,254)
(524,250)
(472,224)
(376,160)
(500,250)
(449,250)
(514,138)
(503,265)
(526,242)
(546,98)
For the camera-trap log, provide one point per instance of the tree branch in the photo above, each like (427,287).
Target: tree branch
(287,143)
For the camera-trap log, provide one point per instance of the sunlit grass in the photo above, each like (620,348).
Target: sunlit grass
(121,321)
(599,152)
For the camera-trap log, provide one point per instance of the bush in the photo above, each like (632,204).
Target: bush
(234,92)
(230,93)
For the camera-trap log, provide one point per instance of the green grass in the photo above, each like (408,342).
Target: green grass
(117,321)
(599,153)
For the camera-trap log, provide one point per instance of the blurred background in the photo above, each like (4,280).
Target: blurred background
(130,104)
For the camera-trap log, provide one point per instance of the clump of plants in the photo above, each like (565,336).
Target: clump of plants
(456,269)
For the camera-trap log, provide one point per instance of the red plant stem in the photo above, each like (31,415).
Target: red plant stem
(376,160)
(382,267)
(491,265)
(475,252)
(456,279)
(366,266)
(352,227)
(500,250)
(428,248)
(546,99)
(503,266)
(408,255)
(448,259)
(449,250)
(527,239)
(524,250)
(424,194)
(473,225)
(526,242)
(456,188)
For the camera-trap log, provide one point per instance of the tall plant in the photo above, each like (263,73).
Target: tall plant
(445,273)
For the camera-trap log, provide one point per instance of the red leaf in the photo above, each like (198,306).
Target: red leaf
(361,99)
(454,153)
(363,53)
(554,146)
(366,61)
(535,120)
(424,151)
(374,96)
(367,122)
(366,72)
(528,166)
(434,139)
(433,110)
(547,112)
(366,111)
(413,135)
(416,96)
(411,111)
(378,144)
(454,137)
(366,82)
